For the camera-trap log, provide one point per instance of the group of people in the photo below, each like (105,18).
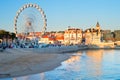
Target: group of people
(2,47)
(18,45)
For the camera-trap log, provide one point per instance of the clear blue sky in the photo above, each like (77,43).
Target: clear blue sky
(63,13)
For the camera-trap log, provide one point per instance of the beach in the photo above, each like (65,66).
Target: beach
(20,62)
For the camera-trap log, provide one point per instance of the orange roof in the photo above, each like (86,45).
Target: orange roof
(45,36)
(51,39)
(60,37)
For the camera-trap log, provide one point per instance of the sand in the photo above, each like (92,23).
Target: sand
(21,62)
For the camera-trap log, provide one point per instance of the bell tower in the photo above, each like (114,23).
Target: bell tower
(98,26)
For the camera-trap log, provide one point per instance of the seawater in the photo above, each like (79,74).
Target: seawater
(83,65)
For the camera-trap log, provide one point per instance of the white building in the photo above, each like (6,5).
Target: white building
(47,39)
(73,36)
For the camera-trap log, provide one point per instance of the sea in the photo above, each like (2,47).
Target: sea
(83,65)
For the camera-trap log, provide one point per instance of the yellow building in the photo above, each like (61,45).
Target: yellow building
(73,36)
(93,35)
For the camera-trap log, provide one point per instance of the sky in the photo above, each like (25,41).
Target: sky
(60,14)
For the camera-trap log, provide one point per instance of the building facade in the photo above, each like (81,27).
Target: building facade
(93,35)
(117,35)
(73,36)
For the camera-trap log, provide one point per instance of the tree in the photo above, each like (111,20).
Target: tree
(60,31)
(13,36)
(2,34)
(7,35)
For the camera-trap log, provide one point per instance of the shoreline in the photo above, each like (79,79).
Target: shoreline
(18,62)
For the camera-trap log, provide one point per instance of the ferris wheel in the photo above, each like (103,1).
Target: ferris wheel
(29,21)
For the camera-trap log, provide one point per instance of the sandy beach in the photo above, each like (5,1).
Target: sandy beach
(21,62)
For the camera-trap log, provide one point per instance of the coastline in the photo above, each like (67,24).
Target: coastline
(18,62)
(25,61)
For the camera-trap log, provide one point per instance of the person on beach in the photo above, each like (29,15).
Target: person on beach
(2,47)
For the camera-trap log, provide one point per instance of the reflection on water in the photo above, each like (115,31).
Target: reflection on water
(84,65)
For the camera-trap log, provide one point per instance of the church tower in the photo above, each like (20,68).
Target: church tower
(98,26)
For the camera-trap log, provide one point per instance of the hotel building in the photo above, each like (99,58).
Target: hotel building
(73,36)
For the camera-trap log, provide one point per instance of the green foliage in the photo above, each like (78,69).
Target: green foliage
(60,31)
(6,34)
